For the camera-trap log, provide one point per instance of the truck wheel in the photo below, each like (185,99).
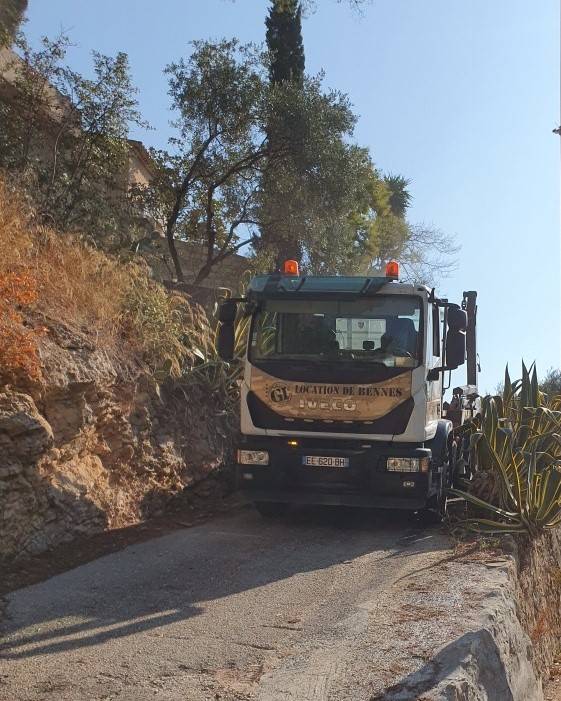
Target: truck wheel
(270,509)
(435,510)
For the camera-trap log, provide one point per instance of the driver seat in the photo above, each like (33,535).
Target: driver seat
(403,333)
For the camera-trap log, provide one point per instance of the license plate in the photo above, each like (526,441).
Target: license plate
(321,461)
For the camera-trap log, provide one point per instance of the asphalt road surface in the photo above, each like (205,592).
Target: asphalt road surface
(309,607)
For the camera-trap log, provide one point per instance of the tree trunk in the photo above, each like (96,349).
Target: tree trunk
(173,254)
(286,250)
(203,273)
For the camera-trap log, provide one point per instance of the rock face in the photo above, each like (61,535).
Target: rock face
(24,433)
(512,635)
(95,447)
(538,588)
(25,436)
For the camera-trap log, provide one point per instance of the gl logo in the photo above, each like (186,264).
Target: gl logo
(279,394)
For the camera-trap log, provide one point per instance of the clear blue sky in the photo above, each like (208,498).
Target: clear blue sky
(458,95)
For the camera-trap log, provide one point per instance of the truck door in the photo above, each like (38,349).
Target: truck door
(433,355)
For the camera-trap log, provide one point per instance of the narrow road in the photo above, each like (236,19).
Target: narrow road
(322,605)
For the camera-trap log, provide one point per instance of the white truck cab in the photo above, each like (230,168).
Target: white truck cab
(341,397)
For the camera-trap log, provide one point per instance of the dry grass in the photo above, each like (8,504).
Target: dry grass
(114,303)
(74,283)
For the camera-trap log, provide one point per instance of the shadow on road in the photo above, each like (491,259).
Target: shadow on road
(160,582)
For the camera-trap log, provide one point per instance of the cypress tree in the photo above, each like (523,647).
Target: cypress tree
(286,48)
(284,41)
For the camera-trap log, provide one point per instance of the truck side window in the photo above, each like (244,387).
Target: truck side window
(435,330)
(265,336)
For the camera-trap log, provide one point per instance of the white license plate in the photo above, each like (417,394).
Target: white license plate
(320,461)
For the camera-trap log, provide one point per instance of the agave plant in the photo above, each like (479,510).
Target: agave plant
(217,376)
(515,454)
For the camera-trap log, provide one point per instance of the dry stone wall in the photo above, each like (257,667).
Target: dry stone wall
(228,273)
(508,639)
(538,589)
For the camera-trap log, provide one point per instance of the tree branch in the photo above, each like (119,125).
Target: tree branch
(180,194)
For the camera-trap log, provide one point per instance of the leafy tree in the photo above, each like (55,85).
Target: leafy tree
(286,73)
(211,183)
(326,204)
(96,151)
(36,106)
(551,383)
(11,16)
(208,184)
(66,139)
(306,199)
(319,183)
(378,234)
(399,196)
(425,253)
(309,6)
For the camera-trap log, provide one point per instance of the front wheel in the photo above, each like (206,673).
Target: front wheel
(434,512)
(270,509)
(436,508)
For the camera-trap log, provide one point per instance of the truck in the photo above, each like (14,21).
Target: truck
(341,397)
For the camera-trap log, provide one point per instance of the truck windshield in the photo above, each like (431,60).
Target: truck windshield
(384,329)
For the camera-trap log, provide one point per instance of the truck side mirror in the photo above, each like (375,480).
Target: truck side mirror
(456,337)
(226,333)
(455,348)
(225,341)
(227,311)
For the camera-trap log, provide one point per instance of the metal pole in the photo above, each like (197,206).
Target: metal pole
(470,306)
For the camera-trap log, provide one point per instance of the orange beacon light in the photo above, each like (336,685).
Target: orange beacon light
(290,267)
(392,269)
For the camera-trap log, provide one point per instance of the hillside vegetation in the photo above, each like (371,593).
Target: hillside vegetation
(45,276)
(100,418)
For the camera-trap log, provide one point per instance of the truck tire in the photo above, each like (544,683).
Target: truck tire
(271,509)
(435,510)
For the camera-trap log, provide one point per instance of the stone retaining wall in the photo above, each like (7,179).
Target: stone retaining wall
(228,273)
(508,637)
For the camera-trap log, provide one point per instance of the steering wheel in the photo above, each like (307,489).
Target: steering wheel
(401,352)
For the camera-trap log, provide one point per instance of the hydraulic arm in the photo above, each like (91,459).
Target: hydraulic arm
(469,304)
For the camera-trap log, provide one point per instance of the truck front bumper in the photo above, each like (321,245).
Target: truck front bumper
(366,482)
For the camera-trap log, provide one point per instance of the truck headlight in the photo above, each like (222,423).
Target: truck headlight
(407,464)
(253,457)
